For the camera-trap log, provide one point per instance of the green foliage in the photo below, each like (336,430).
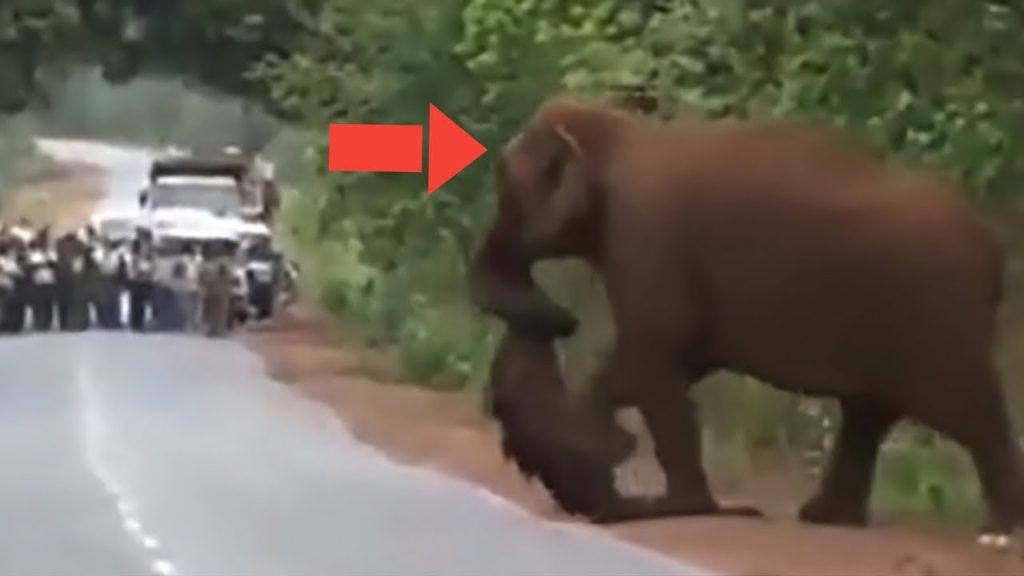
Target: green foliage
(20,162)
(148,110)
(934,82)
(921,476)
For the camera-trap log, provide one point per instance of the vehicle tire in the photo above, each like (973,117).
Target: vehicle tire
(263,302)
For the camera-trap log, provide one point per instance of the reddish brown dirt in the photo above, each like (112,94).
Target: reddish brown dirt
(447,432)
(62,197)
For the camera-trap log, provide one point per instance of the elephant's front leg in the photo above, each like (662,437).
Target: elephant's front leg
(842,498)
(672,421)
(599,409)
(661,395)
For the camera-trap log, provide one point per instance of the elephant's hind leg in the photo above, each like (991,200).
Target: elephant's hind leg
(972,412)
(843,495)
(601,404)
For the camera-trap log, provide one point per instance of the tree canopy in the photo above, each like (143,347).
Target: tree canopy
(935,81)
(938,79)
(213,42)
(938,82)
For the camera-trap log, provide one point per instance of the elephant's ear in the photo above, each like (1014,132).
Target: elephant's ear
(570,196)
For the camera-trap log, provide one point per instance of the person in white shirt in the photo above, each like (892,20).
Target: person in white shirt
(10,273)
(42,271)
(13,316)
(23,231)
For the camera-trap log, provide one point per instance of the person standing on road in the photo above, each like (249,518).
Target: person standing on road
(124,259)
(190,298)
(271,201)
(140,282)
(174,290)
(216,287)
(83,268)
(263,272)
(22,231)
(9,277)
(91,278)
(73,282)
(106,294)
(13,320)
(159,298)
(42,264)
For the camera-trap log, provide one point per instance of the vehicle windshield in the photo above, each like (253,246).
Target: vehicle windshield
(221,198)
(115,229)
(259,248)
(171,246)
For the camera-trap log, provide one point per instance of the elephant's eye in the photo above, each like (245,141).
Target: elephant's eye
(552,171)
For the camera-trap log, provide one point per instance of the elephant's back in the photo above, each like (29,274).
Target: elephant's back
(785,174)
(854,295)
(810,253)
(787,191)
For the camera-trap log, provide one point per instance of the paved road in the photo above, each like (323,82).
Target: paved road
(159,454)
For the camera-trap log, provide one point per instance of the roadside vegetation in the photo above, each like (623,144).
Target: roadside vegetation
(156,111)
(20,161)
(936,82)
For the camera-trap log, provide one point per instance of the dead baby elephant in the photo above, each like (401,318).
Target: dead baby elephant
(550,439)
(776,249)
(543,434)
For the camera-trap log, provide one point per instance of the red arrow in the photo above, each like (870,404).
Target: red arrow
(399,148)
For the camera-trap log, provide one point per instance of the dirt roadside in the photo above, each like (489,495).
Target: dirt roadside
(447,432)
(63,197)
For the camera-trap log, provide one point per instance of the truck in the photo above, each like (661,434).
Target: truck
(223,193)
(251,180)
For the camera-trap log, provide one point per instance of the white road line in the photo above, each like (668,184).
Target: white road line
(112,487)
(163,568)
(126,510)
(131,524)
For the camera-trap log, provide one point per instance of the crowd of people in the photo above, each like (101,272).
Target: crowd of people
(81,280)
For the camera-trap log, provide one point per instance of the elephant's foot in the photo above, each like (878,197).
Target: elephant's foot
(1006,510)
(632,509)
(595,417)
(830,510)
(621,444)
(604,438)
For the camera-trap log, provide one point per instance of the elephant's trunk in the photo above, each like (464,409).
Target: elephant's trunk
(501,284)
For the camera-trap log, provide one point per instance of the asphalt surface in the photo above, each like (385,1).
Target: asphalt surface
(171,454)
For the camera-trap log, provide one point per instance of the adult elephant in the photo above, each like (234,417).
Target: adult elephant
(776,249)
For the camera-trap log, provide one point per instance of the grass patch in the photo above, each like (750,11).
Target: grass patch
(919,475)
